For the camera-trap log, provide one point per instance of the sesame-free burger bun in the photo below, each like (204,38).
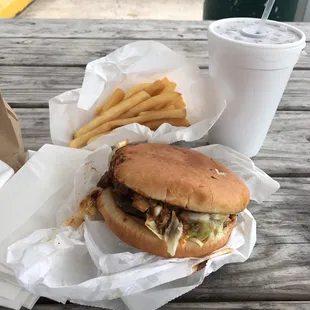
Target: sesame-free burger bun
(180,177)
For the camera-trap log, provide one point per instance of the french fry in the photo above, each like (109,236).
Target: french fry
(100,135)
(135,89)
(179,103)
(159,107)
(169,87)
(181,122)
(143,113)
(151,115)
(116,98)
(150,104)
(154,115)
(165,81)
(169,107)
(113,113)
(83,139)
(155,88)
(156,101)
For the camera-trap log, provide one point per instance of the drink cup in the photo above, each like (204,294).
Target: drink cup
(251,66)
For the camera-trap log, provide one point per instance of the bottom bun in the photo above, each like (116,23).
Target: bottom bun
(135,233)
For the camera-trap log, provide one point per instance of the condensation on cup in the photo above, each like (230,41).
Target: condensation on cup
(251,66)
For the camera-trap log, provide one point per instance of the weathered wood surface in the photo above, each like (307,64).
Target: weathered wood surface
(26,86)
(275,305)
(115,29)
(274,272)
(285,217)
(78,52)
(286,150)
(40,59)
(261,305)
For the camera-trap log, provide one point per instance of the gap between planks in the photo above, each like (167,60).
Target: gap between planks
(79,52)
(45,304)
(285,151)
(32,87)
(105,29)
(109,39)
(83,66)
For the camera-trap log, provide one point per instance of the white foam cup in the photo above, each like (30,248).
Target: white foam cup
(252,71)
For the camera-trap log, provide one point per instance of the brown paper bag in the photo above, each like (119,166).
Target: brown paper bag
(11,142)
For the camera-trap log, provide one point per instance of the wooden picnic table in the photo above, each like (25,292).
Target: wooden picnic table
(42,58)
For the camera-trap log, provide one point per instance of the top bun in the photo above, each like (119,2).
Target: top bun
(180,177)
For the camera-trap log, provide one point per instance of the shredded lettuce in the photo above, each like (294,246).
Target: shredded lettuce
(151,225)
(200,231)
(173,234)
(198,227)
(196,240)
(202,217)
(219,217)
(189,216)
(203,229)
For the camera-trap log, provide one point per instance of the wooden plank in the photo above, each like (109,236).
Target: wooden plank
(297,93)
(244,305)
(273,272)
(262,305)
(78,52)
(10,8)
(25,86)
(33,86)
(99,28)
(285,217)
(286,149)
(35,127)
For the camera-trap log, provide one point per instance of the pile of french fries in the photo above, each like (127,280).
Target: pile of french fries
(149,104)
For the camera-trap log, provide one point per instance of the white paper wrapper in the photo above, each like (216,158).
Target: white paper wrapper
(33,208)
(17,303)
(6,173)
(10,294)
(91,266)
(134,63)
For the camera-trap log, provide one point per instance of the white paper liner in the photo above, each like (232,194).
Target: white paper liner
(91,266)
(134,63)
